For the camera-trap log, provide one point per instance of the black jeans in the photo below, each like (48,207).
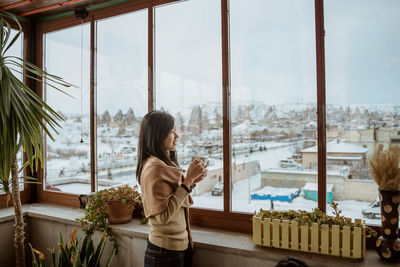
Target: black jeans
(161,257)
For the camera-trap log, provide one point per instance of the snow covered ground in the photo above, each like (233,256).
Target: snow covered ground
(241,201)
(77,188)
(270,158)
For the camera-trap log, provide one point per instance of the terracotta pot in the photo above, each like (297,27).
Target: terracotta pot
(118,213)
(388,244)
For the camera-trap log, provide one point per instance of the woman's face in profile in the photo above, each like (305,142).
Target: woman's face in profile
(170,140)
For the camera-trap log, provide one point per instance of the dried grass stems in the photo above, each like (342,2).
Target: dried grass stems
(384,165)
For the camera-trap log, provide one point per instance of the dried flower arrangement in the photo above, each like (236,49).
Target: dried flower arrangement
(316,216)
(384,165)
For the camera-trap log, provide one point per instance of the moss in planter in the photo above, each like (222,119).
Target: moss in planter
(316,216)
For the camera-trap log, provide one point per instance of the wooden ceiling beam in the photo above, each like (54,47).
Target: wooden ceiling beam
(50,7)
(18,4)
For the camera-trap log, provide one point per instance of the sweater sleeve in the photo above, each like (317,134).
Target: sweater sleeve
(174,204)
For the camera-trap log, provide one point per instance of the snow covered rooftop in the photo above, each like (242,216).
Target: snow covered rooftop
(335,147)
(344,158)
(296,171)
(314,187)
(276,191)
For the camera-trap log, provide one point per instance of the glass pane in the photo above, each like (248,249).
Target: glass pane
(20,163)
(67,166)
(16,50)
(121,96)
(363,97)
(273,104)
(188,85)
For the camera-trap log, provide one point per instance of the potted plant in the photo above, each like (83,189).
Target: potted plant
(24,117)
(384,166)
(311,232)
(115,205)
(73,253)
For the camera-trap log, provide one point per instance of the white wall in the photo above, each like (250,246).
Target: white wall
(7,256)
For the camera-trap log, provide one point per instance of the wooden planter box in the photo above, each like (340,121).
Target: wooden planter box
(316,239)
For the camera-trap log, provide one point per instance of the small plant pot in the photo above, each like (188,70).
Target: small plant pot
(118,213)
(388,244)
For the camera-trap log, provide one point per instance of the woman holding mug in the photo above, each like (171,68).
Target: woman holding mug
(165,191)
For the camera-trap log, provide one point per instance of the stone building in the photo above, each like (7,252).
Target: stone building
(338,153)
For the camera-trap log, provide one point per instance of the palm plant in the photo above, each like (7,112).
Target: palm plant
(24,118)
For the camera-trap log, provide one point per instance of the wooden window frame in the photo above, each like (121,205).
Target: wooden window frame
(225,219)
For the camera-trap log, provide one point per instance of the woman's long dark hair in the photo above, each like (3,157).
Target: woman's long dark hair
(154,128)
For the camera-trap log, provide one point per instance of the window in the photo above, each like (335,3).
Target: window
(362,78)
(17,51)
(67,166)
(273,105)
(121,96)
(188,85)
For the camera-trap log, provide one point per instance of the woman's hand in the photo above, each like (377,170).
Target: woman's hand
(196,173)
(202,176)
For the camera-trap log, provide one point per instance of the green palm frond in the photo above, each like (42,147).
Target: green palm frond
(24,116)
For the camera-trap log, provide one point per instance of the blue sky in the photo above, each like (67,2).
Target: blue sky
(362,51)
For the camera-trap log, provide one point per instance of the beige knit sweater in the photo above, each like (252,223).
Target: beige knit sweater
(166,204)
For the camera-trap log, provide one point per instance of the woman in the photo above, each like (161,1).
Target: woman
(165,192)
